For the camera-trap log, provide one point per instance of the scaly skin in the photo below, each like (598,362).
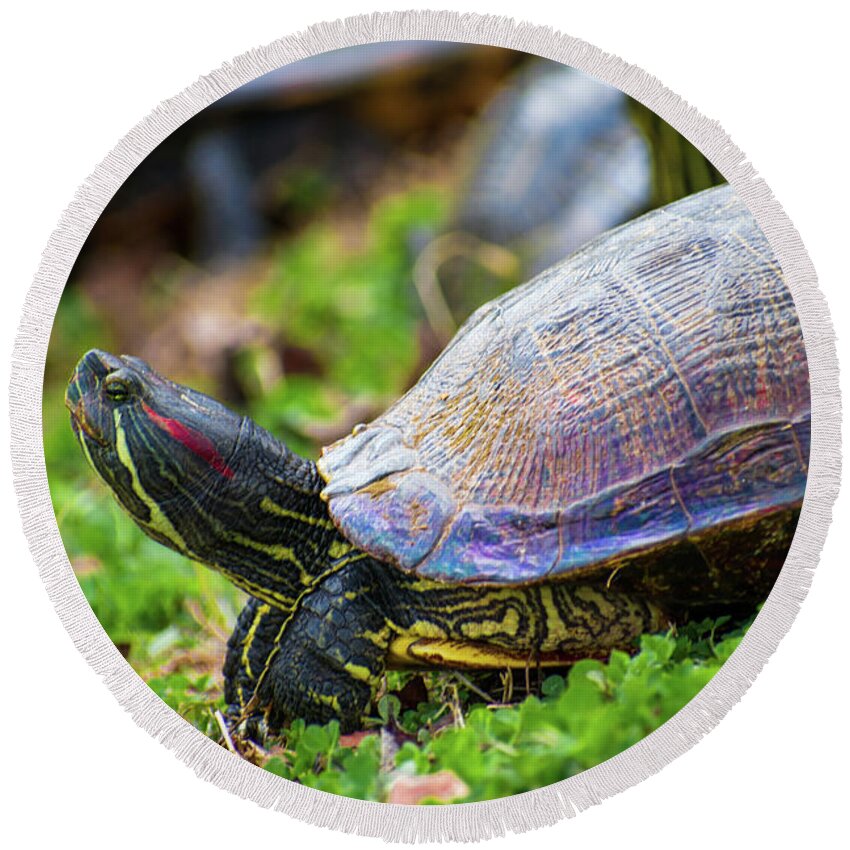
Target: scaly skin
(326,659)
(325,619)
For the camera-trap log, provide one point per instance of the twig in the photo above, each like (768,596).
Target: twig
(473,687)
(225,732)
(389,748)
(507,685)
(197,613)
(494,258)
(457,712)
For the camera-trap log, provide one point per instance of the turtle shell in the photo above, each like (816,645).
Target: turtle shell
(650,388)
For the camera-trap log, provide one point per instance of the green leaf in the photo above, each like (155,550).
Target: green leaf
(553,686)
(389,707)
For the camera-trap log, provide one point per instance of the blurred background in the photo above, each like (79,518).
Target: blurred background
(302,249)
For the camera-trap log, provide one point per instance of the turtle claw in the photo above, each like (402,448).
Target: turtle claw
(253,728)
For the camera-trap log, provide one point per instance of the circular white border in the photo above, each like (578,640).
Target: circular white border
(467,821)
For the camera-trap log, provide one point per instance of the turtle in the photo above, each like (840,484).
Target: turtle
(556,160)
(612,447)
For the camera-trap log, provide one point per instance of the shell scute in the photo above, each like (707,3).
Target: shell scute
(651,386)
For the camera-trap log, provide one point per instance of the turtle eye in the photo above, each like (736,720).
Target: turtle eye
(117,386)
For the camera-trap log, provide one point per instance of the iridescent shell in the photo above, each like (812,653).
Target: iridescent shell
(648,392)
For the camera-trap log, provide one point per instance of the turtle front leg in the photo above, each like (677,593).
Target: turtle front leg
(249,649)
(330,655)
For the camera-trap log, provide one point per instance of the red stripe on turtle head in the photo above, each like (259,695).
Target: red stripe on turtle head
(194,440)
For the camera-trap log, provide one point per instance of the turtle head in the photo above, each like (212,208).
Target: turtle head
(200,478)
(169,453)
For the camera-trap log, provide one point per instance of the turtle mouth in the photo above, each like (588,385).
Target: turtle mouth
(83,383)
(80,423)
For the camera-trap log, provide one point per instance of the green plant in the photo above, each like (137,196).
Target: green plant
(598,710)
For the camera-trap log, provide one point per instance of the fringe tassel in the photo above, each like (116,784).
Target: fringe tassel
(470,821)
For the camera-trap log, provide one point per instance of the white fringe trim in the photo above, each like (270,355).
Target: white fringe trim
(470,821)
